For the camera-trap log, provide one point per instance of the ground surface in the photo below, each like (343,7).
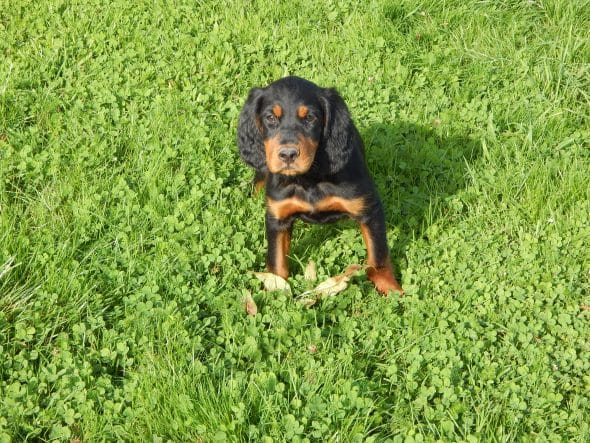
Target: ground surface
(127,230)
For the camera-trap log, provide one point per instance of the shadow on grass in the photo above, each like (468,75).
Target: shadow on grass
(416,170)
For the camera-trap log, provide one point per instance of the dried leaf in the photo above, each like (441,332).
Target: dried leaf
(329,287)
(338,283)
(273,282)
(332,286)
(250,305)
(311,272)
(308,302)
(585,308)
(351,269)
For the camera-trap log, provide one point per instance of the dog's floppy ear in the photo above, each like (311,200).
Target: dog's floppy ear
(250,141)
(340,135)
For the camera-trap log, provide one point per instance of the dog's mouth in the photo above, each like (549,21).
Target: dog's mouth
(290,159)
(296,168)
(290,170)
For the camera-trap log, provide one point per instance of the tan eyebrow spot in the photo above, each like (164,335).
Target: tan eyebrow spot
(302,111)
(277,111)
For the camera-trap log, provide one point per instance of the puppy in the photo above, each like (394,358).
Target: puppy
(306,151)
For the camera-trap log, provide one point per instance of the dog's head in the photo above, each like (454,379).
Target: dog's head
(293,126)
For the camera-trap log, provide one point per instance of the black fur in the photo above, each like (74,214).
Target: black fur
(249,136)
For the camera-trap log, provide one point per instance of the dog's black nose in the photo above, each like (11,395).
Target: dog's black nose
(288,155)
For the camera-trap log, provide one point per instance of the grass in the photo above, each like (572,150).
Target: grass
(127,233)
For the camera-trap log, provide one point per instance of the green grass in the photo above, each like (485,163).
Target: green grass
(127,230)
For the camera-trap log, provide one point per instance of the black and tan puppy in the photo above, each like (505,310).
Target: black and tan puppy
(305,149)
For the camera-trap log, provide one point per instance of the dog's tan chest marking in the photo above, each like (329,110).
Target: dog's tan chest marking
(282,209)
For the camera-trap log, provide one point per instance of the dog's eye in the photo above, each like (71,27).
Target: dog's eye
(271,120)
(309,119)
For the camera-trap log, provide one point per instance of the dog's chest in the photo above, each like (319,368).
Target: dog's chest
(316,204)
